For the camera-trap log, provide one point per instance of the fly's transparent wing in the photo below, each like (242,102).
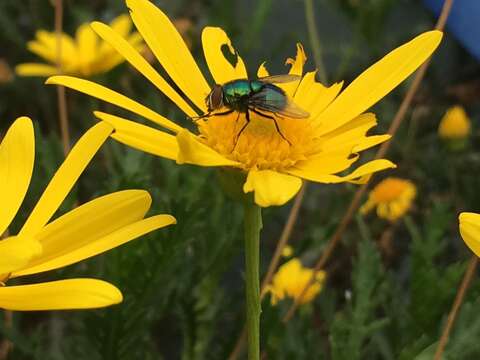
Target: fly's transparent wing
(281,105)
(280,79)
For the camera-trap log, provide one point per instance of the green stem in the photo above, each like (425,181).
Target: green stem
(253,225)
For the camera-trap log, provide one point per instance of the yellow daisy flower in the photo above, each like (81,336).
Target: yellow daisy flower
(86,55)
(290,280)
(88,230)
(319,147)
(392,197)
(455,128)
(470,230)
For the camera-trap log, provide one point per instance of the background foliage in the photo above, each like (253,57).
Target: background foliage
(183,286)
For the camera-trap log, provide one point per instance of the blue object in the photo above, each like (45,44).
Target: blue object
(463,22)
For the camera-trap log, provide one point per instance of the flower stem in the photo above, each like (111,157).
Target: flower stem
(252,226)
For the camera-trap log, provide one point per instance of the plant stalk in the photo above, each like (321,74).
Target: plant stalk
(252,227)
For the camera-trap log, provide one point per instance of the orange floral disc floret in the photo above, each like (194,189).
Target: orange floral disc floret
(392,197)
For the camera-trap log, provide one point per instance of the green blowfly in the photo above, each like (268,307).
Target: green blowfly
(260,96)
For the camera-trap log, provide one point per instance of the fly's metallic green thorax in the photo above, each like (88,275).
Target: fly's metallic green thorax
(259,96)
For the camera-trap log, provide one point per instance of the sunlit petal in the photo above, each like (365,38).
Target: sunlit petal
(138,61)
(93,228)
(142,137)
(192,151)
(16,252)
(378,80)
(214,40)
(17,154)
(105,94)
(60,295)
(271,188)
(359,175)
(170,49)
(66,176)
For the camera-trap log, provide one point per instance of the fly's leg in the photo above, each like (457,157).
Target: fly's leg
(247,118)
(274,121)
(209,114)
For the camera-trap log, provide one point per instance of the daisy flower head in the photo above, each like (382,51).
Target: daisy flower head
(88,230)
(470,230)
(274,149)
(455,127)
(290,281)
(85,55)
(392,197)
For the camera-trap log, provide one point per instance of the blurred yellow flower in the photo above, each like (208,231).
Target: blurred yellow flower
(470,230)
(287,251)
(319,148)
(88,230)
(290,280)
(86,55)
(455,124)
(392,197)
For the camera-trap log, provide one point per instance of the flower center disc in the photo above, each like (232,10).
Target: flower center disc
(259,146)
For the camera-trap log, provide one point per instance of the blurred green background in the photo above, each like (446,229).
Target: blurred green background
(183,286)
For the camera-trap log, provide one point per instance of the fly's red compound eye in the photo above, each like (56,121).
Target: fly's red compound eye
(215,98)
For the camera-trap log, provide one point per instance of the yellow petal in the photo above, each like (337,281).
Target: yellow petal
(17,154)
(314,96)
(65,177)
(16,252)
(214,40)
(192,151)
(378,80)
(170,49)
(105,94)
(60,295)
(122,25)
(470,230)
(46,46)
(141,137)
(138,62)
(352,135)
(94,228)
(271,188)
(87,47)
(262,71)
(296,68)
(326,163)
(359,175)
(35,69)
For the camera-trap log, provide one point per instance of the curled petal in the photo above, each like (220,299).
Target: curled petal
(60,295)
(271,188)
